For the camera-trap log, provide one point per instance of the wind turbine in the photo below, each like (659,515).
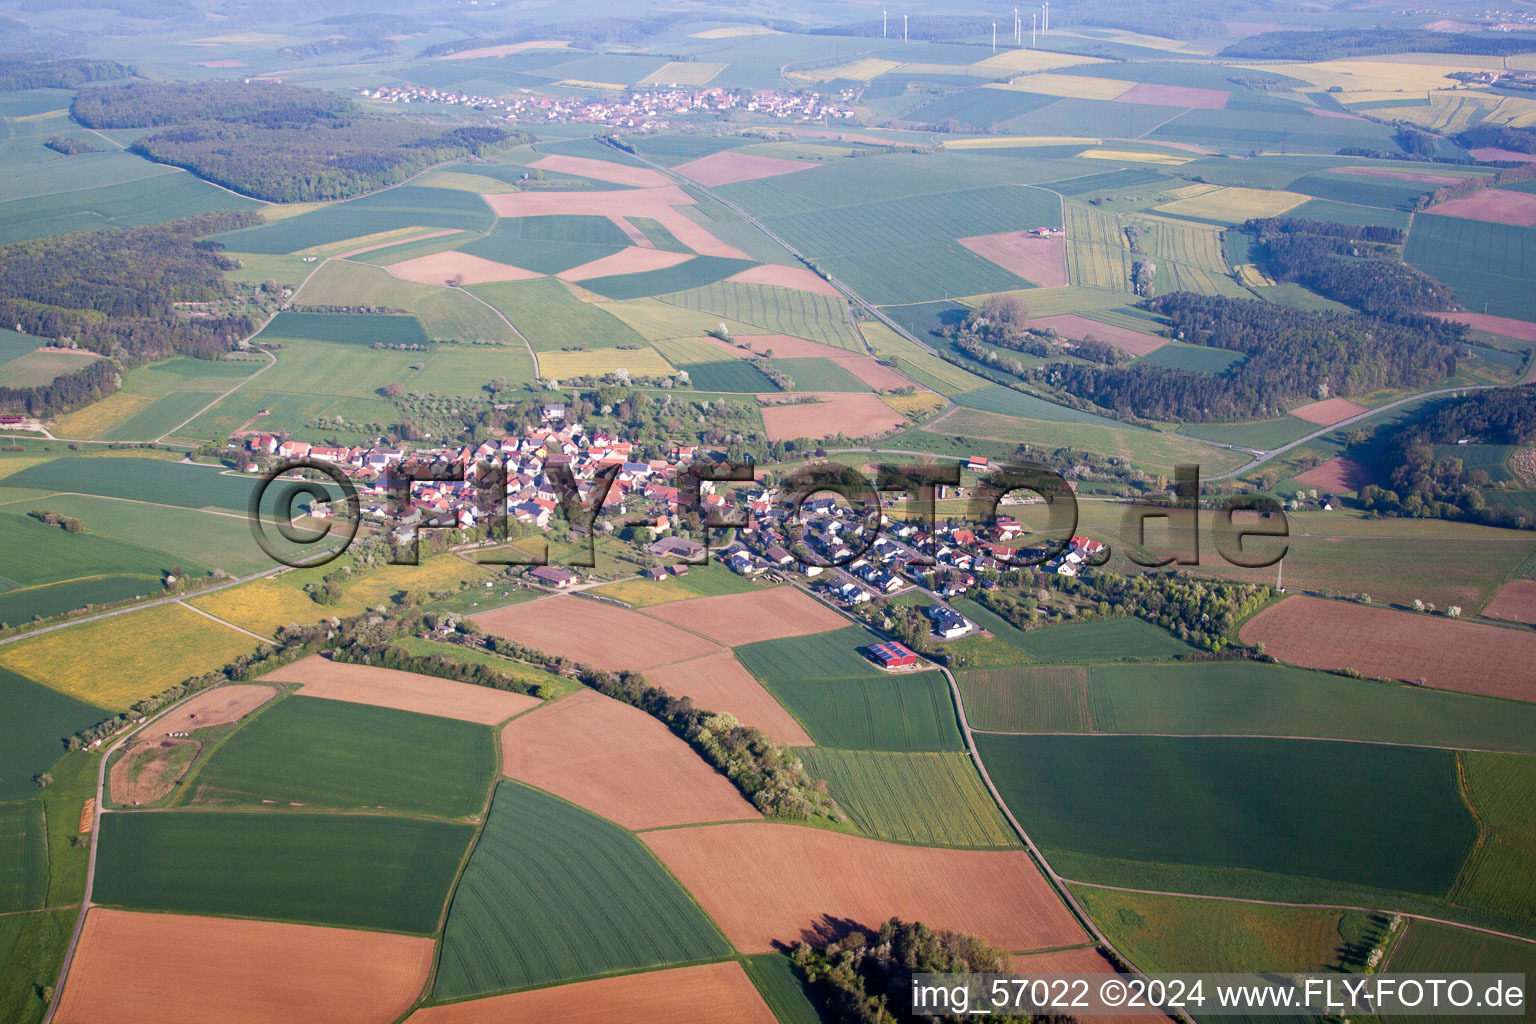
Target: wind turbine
(903,28)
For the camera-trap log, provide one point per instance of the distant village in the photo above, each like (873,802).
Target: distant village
(644,495)
(653,108)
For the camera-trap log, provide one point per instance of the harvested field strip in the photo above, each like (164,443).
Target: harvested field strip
(594,633)
(456,268)
(403,691)
(1515,602)
(353,870)
(798,278)
(654,997)
(1329,411)
(346,756)
(603,170)
(1387,644)
(929,799)
(737,619)
(1096,252)
(727,167)
(640,362)
(619,762)
(1136,343)
(1343,813)
(768,883)
(1041,261)
(213,969)
(851,415)
(586,895)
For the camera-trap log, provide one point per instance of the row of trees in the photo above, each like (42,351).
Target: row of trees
(281,143)
(1291,354)
(92,382)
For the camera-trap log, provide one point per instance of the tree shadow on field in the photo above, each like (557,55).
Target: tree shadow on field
(827,930)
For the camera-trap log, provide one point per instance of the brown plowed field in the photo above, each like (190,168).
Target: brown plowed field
(1040,260)
(443,267)
(1175,96)
(1329,411)
(405,691)
(1521,330)
(736,619)
(1387,644)
(145,773)
(875,373)
(659,204)
(1515,602)
(1075,961)
(1070,325)
(1495,153)
(718,682)
(850,415)
(1383,172)
(594,633)
(1339,114)
(720,993)
(767,883)
(786,346)
(797,278)
(603,170)
(728,166)
(218,706)
(1337,474)
(633,260)
(618,762)
(1498,206)
(170,969)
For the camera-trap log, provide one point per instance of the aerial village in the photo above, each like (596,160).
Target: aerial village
(652,108)
(837,557)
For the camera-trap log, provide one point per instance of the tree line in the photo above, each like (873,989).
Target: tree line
(1363,42)
(281,143)
(1290,355)
(24,73)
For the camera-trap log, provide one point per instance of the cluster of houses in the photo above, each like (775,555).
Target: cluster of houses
(651,109)
(538,467)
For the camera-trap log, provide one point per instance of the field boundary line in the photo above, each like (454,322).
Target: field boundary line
(503,317)
(1304,906)
(222,622)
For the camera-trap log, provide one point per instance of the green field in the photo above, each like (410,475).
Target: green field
(47,571)
(1169,933)
(1430,948)
(775,311)
(552,318)
(787,994)
(844,701)
(353,328)
(712,580)
(344,756)
(818,375)
(351,870)
(50,718)
(1241,698)
(1118,809)
(1124,639)
(1486,265)
(1196,358)
(24,863)
(928,799)
(1008,402)
(1261,434)
(695,273)
(554,893)
(31,953)
(1500,877)
(149,200)
(403,206)
(549,245)
(137,479)
(736,376)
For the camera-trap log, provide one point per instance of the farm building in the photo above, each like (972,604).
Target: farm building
(557,576)
(891,655)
